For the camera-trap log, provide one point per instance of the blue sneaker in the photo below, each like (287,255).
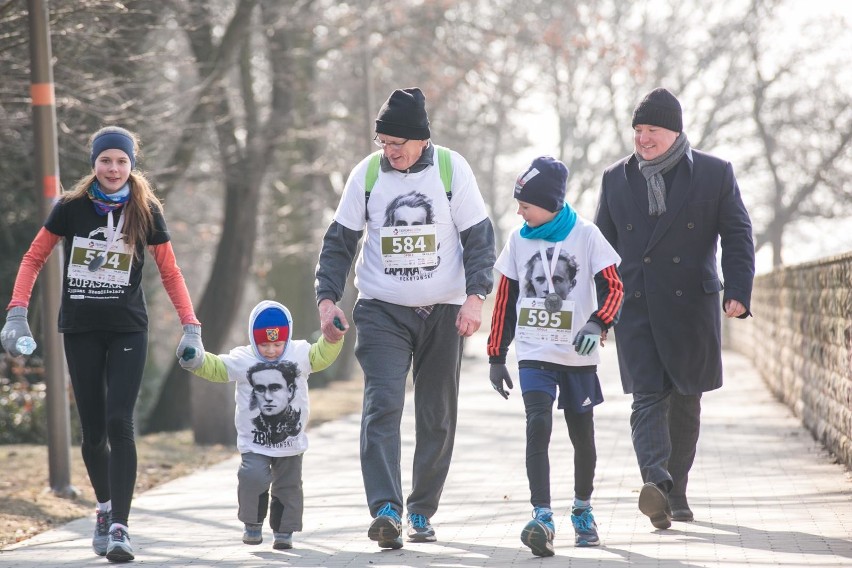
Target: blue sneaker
(283,541)
(585,527)
(386,528)
(539,532)
(419,528)
(100,539)
(253,533)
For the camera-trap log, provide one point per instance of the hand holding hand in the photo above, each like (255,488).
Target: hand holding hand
(15,328)
(190,350)
(588,338)
(498,375)
(333,322)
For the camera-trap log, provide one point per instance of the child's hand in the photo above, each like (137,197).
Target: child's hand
(499,375)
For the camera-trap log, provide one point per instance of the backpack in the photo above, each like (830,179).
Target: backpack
(445,165)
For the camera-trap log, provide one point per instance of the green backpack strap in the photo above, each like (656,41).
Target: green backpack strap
(445,167)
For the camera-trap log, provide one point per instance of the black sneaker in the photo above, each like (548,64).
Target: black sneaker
(654,504)
(118,548)
(386,528)
(419,528)
(100,539)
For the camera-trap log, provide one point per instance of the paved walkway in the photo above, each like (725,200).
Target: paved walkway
(763,493)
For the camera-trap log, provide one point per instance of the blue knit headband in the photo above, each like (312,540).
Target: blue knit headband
(113,140)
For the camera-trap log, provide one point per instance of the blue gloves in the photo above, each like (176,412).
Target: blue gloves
(16,327)
(498,375)
(190,350)
(588,338)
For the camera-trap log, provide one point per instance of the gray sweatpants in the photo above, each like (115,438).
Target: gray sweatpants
(257,477)
(390,339)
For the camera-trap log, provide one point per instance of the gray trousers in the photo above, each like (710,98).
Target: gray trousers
(390,339)
(257,477)
(665,427)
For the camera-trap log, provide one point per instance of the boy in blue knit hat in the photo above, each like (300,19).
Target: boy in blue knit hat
(271,415)
(558,293)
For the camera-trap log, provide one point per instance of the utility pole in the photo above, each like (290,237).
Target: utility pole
(47,176)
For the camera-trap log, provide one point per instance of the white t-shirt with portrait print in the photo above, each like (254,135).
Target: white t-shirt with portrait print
(411,254)
(540,335)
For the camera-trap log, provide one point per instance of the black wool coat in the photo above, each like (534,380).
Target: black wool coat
(671,319)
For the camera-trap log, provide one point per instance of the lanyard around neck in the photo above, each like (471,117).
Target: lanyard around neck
(549,269)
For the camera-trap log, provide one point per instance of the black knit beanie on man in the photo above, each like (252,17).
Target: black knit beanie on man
(659,108)
(543,184)
(404,115)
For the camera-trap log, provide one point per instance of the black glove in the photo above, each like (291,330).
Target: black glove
(498,375)
(588,338)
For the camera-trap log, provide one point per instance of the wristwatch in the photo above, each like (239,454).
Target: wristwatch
(480,296)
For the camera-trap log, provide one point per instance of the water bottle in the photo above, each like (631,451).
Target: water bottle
(26,345)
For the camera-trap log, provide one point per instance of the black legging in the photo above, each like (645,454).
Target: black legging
(106,373)
(581,430)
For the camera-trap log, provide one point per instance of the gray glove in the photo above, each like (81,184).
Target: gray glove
(15,328)
(588,338)
(190,350)
(498,375)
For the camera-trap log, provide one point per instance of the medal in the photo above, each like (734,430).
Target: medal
(100,259)
(97,262)
(552,302)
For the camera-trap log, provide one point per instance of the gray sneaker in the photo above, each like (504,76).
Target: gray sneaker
(118,548)
(283,541)
(101,537)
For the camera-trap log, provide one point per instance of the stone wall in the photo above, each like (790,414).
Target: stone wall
(800,340)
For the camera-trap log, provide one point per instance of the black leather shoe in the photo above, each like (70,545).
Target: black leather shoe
(654,504)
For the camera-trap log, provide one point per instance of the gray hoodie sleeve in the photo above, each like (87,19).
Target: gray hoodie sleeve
(339,246)
(479,257)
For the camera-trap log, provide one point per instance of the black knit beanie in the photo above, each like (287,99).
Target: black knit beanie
(659,108)
(543,184)
(404,115)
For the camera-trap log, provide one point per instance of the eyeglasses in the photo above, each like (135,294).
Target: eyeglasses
(392,145)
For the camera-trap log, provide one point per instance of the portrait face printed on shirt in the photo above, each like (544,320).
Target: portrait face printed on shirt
(564,275)
(409,209)
(271,391)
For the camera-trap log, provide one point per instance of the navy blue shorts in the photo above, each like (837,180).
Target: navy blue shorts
(578,391)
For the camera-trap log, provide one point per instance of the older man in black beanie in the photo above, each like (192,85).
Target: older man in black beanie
(422,275)
(664,208)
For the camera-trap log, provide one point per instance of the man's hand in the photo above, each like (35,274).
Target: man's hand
(15,328)
(588,338)
(332,321)
(498,375)
(470,316)
(190,350)
(734,309)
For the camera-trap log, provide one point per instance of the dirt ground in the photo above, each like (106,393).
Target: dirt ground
(28,507)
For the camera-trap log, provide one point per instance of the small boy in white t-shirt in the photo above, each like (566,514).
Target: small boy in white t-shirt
(560,290)
(271,415)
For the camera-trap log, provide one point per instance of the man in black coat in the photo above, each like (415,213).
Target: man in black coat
(664,209)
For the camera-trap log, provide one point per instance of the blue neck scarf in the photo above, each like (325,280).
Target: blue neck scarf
(555,230)
(106,202)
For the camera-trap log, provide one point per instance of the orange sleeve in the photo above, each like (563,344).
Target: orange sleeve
(173,282)
(31,265)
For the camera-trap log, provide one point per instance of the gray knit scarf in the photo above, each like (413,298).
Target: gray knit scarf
(653,171)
